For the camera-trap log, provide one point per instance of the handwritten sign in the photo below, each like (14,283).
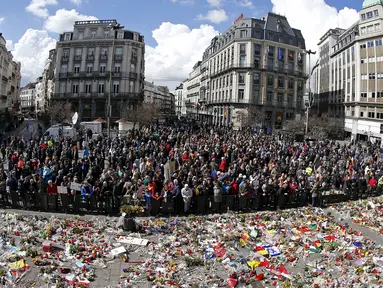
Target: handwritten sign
(80,154)
(75,186)
(5,166)
(62,189)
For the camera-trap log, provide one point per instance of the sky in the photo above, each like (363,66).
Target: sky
(176,31)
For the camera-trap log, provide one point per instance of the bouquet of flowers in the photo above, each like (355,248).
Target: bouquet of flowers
(131,209)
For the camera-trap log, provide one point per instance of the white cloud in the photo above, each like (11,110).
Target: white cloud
(214,3)
(214,16)
(76,2)
(64,19)
(178,49)
(2,19)
(314,18)
(38,7)
(246,3)
(9,45)
(32,51)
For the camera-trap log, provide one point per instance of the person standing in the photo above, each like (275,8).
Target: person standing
(187,195)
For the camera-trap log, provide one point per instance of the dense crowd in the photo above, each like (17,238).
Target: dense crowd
(179,165)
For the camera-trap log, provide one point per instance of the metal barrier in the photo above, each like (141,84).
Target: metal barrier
(175,206)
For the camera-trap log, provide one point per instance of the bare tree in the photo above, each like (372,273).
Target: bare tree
(60,112)
(252,116)
(143,115)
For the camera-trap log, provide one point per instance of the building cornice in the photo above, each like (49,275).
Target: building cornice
(98,43)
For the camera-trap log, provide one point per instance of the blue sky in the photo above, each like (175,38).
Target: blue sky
(145,16)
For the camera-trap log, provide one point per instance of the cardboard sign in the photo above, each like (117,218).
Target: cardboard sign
(80,154)
(75,186)
(62,189)
(133,241)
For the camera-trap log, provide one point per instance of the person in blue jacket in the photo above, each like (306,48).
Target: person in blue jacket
(86,190)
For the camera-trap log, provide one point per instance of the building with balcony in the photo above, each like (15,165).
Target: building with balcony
(256,63)
(324,100)
(96,60)
(356,74)
(27,98)
(179,101)
(10,79)
(46,86)
(159,96)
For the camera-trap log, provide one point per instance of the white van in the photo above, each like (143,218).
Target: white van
(59,131)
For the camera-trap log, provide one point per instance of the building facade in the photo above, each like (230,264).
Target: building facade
(160,96)
(356,75)
(28,98)
(257,64)
(47,83)
(96,60)
(10,79)
(179,101)
(321,77)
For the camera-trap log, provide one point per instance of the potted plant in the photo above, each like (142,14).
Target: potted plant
(129,212)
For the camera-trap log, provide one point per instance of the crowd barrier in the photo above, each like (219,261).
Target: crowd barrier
(63,203)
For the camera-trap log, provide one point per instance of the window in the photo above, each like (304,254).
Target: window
(377,27)
(241,78)
(378,43)
(67,37)
(291,83)
(62,87)
(242,60)
(231,79)
(76,69)
(369,15)
(88,88)
(101,87)
(363,30)
(120,35)
(281,54)
(371,114)
(363,16)
(270,97)
(93,34)
(116,87)
(106,34)
(118,50)
(257,49)
(66,52)
(281,82)
(117,68)
(241,94)
(131,85)
(256,79)
(270,51)
(370,28)
(291,56)
(78,51)
(90,51)
(102,68)
(89,68)
(243,33)
(281,99)
(370,44)
(80,35)
(363,95)
(364,77)
(363,46)
(376,13)
(75,88)
(270,80)
(242,49)
(104,51)
(371,76)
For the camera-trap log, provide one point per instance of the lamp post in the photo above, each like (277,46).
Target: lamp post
(114,27)
(309,52)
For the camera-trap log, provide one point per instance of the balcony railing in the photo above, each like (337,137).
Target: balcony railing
(131,96)
(65,58)
(118,57)
(5,79)
(133,75)
(103,57)
(90,58)
(77,58)
(117,74)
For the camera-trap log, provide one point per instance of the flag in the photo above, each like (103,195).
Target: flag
(291,56)
(281,55)
(299,56)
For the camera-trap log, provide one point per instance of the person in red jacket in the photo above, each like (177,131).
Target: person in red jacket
(222,166)
(234,187)
(51,188)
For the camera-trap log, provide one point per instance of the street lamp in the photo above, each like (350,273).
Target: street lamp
(114,27)
(309,52)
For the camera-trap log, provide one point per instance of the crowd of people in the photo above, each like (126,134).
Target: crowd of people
(185,168)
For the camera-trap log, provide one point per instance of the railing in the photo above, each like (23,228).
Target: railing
(117,57)
(90,57)
(65,58)
(103,57)
(193,86)
(133,75)
(77,58)
(116,74)
(5,79)
(97,95)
